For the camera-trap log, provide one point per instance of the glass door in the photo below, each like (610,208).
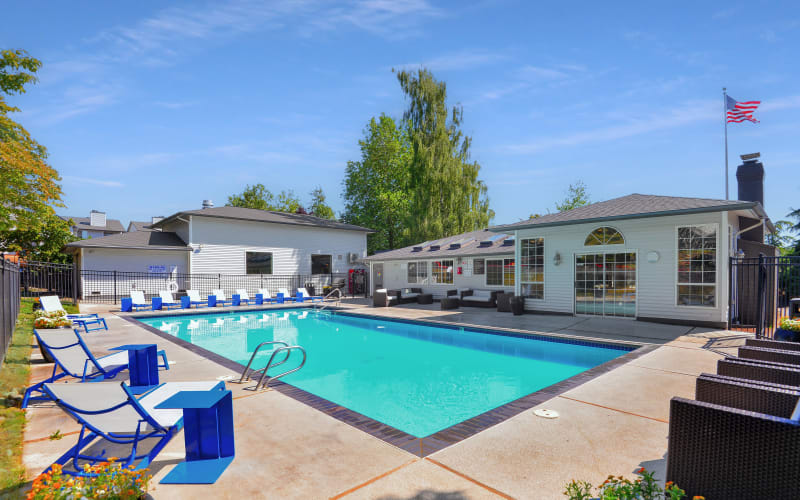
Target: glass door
(605,284)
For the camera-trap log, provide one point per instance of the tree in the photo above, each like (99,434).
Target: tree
(318,206)
(29,187)
(795,214)
(782,238)
(259,197)
(376,191)
(447,197)
(576,197)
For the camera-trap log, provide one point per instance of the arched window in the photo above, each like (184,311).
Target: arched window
(604,236)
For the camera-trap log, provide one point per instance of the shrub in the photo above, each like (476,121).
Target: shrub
(108,480)
(645,487)
(793,325)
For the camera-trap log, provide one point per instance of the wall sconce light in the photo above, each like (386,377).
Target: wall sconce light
(652,257)
(557,259)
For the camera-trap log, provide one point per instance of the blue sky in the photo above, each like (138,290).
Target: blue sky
(148,108)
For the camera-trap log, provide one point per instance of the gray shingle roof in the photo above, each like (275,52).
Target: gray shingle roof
(145,240)
(83,223)
(633,206)
(470,245)
(139,225)
(253,214)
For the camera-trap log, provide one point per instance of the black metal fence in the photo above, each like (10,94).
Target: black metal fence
(109,287)
(761,293)
(9,304)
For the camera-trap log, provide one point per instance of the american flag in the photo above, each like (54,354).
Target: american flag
(741,111)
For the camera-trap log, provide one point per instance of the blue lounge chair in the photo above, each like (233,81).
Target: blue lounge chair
(51,303)
(138,300)
(221,299)
(75,360)
(111,414)
(306,296)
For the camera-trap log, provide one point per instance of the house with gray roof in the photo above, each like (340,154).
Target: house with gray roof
(94,226)
(645,257)
(226,240)
(474,260)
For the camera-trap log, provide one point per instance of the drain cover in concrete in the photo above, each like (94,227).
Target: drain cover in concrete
(226,377)
(545,413)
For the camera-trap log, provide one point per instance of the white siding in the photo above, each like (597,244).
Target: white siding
(128,261)
(656,286)
(220,246)
(395,276)
(179,228)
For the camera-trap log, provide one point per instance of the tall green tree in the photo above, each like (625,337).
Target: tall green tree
(376,188)
(317,206)
(29,186)
(447,197)
(259,197)
(577,196)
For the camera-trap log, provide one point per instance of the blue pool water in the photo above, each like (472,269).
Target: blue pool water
(412,376)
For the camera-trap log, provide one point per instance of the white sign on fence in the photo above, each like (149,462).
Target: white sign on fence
(157,269)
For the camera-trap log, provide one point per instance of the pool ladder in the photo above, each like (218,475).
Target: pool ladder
(285,349)
(338,292)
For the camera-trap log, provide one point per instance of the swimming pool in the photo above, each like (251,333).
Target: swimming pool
(416,377)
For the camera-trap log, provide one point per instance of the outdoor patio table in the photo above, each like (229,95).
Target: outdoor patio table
(142,365)
(208,434)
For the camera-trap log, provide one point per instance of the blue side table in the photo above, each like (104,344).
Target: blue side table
(279,298)
(259,299)
(126,305)
(208,434)
(142,365)
(156,303)
(236,299)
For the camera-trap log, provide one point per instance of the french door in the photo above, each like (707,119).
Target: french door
(605,284)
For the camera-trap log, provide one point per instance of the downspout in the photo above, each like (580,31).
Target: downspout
(735,239)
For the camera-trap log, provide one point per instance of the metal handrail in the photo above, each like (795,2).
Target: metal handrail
(269,363)
(246,372)
(338,298)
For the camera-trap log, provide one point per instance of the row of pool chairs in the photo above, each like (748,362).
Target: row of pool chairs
(740,436)
(166,300)
(115,419)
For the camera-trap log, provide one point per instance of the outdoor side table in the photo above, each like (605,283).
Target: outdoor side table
(142,365)
(518,305)
(207,432)
(449,303)
(425,298)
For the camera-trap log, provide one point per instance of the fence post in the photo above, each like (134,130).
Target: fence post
(76,275)
(115,287)
(731,263)
(760,298)
(219,280)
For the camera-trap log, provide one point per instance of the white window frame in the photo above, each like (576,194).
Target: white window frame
(676,284)
(502,266)
(602,245)
(520,282)
(453,273)
(417,263)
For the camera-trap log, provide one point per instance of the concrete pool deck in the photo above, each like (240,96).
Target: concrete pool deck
(612,424)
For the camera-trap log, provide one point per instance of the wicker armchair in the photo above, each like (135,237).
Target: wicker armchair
(773,344)
(384,298)
(723,452)
(747,395)
(775,373)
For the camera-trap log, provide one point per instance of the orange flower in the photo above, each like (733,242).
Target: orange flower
(698,497)
(640,470)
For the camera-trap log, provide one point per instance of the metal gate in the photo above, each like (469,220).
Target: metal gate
(761,293)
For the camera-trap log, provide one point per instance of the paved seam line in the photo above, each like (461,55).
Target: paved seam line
(663,370)
(48,438)
(474,481)
(255,394)
(355,488)
(615,409)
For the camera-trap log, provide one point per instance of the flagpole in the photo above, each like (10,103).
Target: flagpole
(725,119)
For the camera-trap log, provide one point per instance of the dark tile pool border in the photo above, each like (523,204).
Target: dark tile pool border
(424,446)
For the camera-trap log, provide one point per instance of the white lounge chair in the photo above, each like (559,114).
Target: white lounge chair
(194,298)
(220,295)
(51,303)
(286,295)
(243,297)
(266,296)
(167,300)
(308,296)
(139,302)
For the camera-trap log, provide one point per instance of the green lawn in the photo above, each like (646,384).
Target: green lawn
(14,376)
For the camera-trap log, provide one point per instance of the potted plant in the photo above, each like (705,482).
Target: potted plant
(47,321)
(788,329)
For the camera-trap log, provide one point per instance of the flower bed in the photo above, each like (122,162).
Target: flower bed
(107,480)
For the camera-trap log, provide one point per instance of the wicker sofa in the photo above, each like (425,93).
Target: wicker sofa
(479,298)
(406,295)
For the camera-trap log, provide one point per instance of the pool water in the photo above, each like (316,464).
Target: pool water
(415,377)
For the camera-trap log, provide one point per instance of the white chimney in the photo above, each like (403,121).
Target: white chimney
(156,218)
(97,218)
(208,204)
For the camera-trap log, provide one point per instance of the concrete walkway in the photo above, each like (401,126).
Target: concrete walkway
(285,449)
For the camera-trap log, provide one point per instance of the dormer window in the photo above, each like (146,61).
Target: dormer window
(604,236)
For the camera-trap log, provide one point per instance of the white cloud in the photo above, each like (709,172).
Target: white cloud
(466,59)
(174,104)
(91,180)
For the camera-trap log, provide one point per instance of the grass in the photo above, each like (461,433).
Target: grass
(14,377)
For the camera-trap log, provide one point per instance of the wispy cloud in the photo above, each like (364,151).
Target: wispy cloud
(91,180)
(174,104)
(466,59)
(726,13)
(632,125)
